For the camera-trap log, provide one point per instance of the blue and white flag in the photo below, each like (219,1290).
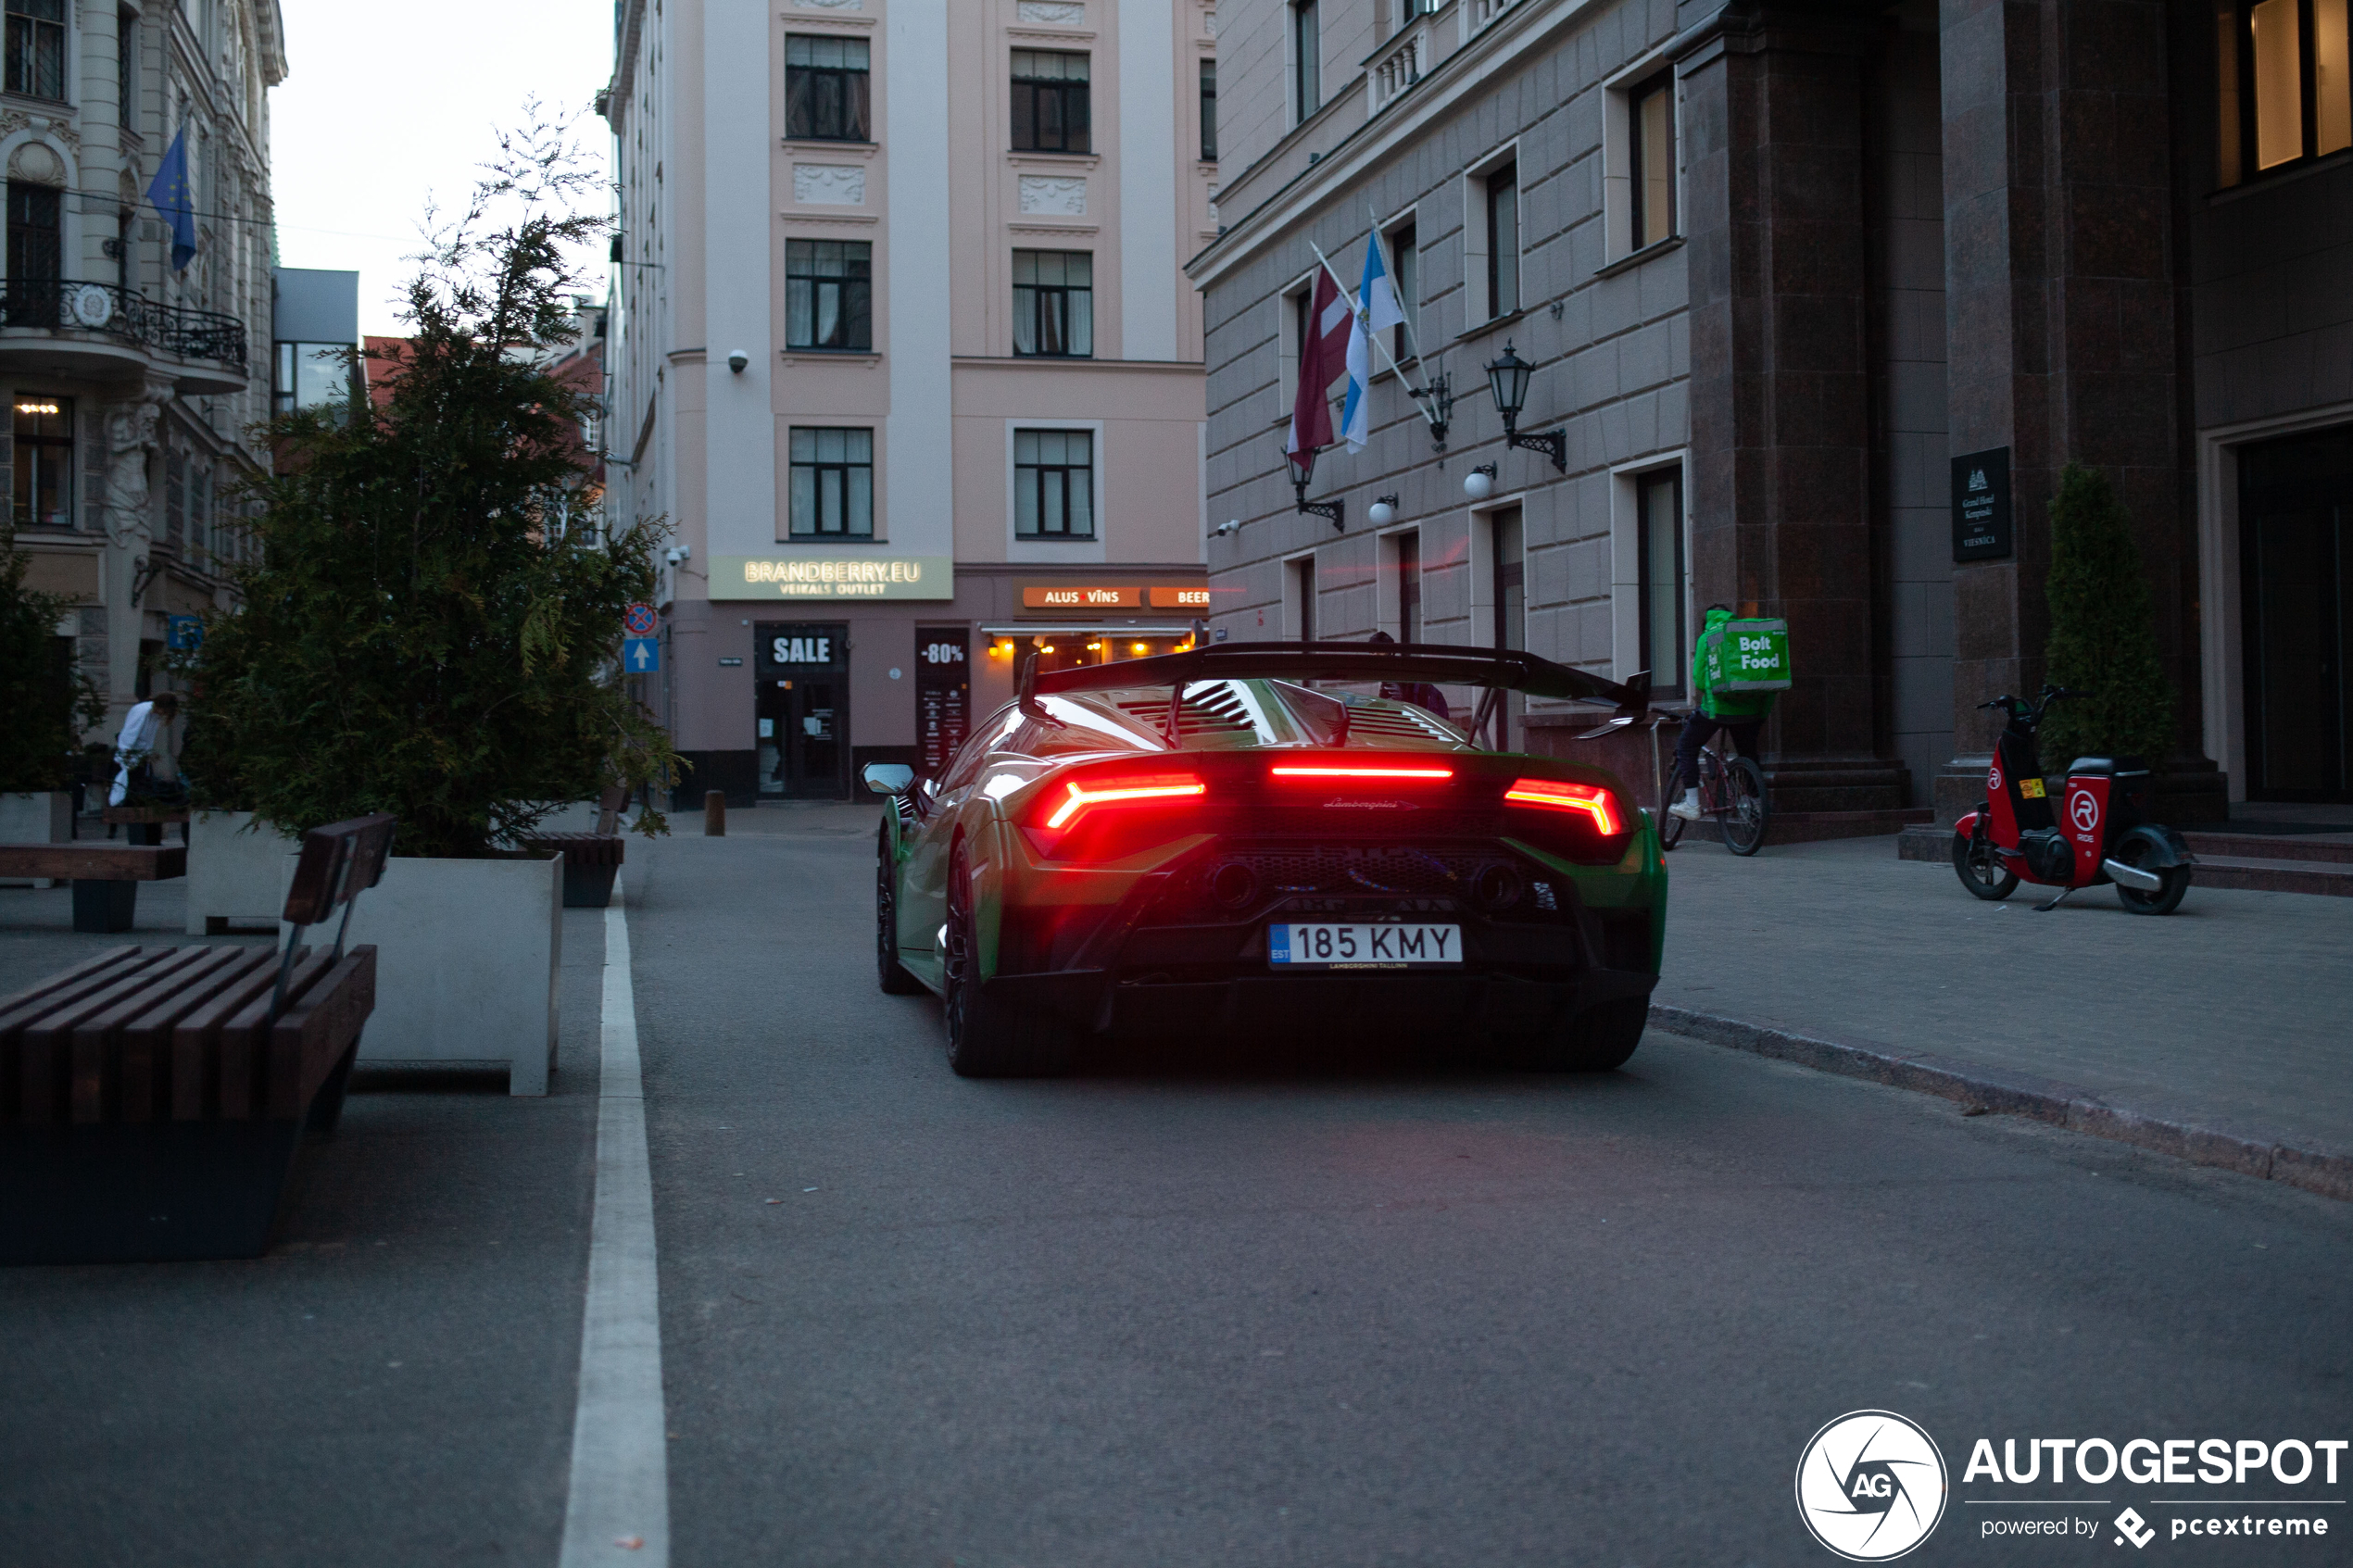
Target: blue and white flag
(1375,312)
(175,198)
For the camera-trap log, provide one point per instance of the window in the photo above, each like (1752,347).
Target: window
(37,48)
(126,44)
(1053,484)
(833,483)
(44,461)
(826,88)
(1650,146)
(1511,592)
(1302,597)
(1054,302)
(199,509)
(1307,57)
(1405,277)
(34,248)
(175,496)
(1049,102)
(1408,550)
(829,294)
(1659,526)
(2286,92)
(1502,241)
(1209,111)
(311,375)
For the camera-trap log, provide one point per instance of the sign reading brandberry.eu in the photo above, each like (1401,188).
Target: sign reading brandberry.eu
(832,577)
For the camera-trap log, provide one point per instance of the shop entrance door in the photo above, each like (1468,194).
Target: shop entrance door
(2296,565)
(803,710)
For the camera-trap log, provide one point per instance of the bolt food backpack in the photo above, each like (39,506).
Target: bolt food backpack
(1747,655)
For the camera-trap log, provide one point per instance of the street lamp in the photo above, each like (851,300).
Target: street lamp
(1303,466)
(1383,510)
(1479,483)
(1508,380)
(1439,392)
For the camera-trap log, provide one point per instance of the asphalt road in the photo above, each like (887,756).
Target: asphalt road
(1320,1311)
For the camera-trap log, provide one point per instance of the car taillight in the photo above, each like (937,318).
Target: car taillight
(1383,775)
(1079,796)
(1596,804)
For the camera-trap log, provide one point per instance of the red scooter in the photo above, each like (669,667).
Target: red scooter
(2102,834)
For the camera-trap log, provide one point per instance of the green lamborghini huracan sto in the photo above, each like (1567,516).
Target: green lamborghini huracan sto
(1211,842)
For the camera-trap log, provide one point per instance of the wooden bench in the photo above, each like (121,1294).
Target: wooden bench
(152,1099)
(106,877)
(145,824)
(591,859)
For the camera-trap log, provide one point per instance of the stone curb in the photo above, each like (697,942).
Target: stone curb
(2023,1093)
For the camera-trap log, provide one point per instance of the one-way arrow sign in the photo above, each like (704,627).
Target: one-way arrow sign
(641,656)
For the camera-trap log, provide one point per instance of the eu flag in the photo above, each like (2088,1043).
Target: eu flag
(176,200)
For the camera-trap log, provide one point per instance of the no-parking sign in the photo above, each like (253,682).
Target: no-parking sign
(639,621)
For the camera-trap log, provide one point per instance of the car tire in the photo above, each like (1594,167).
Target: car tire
(893,976)
(988,1037)
(1599,1040)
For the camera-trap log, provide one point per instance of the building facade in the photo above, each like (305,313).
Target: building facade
(132,381)
(901,350)
(1821,299)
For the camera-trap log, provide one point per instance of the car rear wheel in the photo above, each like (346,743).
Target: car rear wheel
(895,981)
(988,1037)
(1600,1039)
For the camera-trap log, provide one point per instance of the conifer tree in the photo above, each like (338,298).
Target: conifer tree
(2103,633)
(431,623)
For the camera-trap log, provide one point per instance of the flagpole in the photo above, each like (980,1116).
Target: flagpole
(1412,337)
(1420,399)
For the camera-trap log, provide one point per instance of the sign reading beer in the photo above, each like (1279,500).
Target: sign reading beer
(1981,506)
(1087,596)
(943,696)
(832,577)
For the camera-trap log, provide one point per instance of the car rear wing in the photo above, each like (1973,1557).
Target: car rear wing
(1496,670)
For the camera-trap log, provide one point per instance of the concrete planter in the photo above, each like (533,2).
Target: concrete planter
(235,871)
(43,818)
(465,959)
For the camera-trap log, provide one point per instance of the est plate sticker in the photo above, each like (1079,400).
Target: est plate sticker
(1362,947)
(2032,789)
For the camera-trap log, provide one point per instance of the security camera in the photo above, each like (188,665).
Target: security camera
(678,553)
(738,360)
(1231,525)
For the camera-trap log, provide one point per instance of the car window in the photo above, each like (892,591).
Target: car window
(965,766)
(1081,730)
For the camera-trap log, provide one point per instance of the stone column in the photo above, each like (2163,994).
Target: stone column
(1780,430)
(2063,339)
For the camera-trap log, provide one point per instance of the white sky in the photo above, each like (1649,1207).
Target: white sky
(384,106)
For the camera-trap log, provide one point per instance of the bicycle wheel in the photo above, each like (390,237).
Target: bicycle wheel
(1748,811)
(1670,827)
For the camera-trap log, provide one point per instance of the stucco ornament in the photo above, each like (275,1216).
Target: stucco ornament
(830,4)
(130,437)
(37,163)
(1054,196)
(1051,13)
(829,184)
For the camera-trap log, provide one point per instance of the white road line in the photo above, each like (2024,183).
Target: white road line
(619,1507)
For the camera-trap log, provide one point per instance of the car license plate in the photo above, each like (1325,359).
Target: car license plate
(1362,947)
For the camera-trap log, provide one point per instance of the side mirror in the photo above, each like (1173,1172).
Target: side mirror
(889,777)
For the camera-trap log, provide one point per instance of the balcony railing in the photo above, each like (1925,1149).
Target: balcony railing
(1397,66)
(62,305)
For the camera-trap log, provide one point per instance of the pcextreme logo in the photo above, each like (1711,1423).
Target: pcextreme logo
(1870,1486)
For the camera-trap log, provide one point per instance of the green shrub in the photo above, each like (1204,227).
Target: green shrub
(431,623)
(2103,633)
(43,706)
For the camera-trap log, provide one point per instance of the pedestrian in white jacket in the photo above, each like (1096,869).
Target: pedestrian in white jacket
(142,740)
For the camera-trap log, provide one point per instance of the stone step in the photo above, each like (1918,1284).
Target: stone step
(1809,827)
(2254,875)
(2277,870)
(2333,848)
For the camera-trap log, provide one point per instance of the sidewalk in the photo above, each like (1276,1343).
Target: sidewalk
(2233,1015)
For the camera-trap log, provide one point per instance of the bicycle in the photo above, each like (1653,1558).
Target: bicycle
(1731,794)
